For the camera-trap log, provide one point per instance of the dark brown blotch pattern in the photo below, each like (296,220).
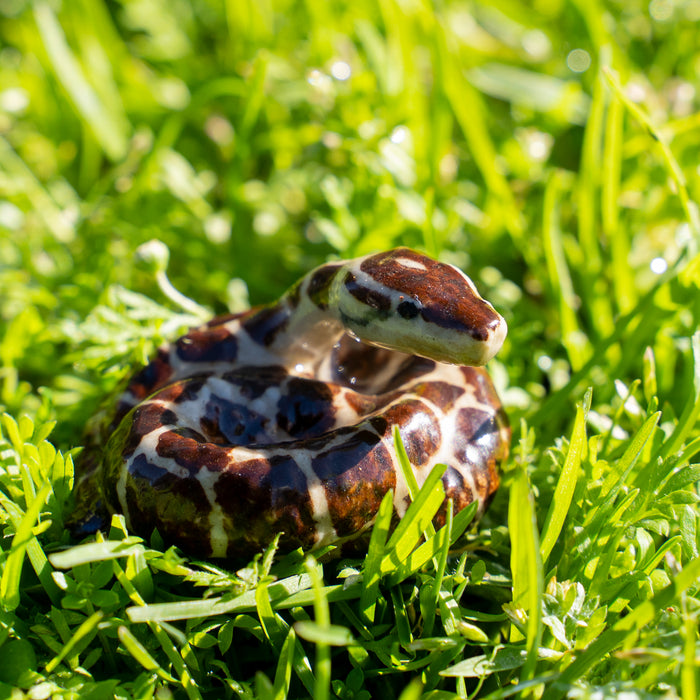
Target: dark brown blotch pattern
(306,408)
(213,344)
(261,498)
(320,284)
(252,383)
(419,428)
(190,454)
(356,473)
(146,418)
(440,394)
(267,324)
(183,391)
(457,489)
(153,376)
(372,298)
(232,423)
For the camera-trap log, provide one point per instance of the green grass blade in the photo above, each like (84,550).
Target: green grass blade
(420,556)
(94,552)
(371,571)
(526,566)
(88,627)
(12,572)
(419,514)
(35,553)
(405,464)
(691,411)
(573,337)
(615,233)
(285,664)
(322,687)
(275,633)
(331,635)
(110,132)
(674,170)
(689,667)
(278,591)
(140,653)
(470,116)
(564,492)
(403,625)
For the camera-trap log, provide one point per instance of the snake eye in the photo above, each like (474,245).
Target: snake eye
(408,309)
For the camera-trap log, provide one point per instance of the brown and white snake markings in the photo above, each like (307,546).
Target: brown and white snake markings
(280,419)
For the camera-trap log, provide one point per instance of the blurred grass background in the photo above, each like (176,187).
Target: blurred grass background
(256,139)
(550,148)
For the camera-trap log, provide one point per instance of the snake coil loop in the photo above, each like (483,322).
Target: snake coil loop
(280,419)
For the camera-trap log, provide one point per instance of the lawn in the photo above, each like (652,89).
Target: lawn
(548,148)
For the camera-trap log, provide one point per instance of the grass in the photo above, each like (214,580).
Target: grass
(549,148)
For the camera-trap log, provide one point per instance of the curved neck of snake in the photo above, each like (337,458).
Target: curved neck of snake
(306,325)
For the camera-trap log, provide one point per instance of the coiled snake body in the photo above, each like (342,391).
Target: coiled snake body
(280,419)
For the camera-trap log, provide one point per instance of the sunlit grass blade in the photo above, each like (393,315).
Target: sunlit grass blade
(689,667)
(110,131)
(371,569)
(285,664)
(35,552)
(505,658)
(405,464)
(419,514)
(691,410)
(274,632)
(587,184)
(413,691)
(332,635)
(140,653)
(469,113)
(322,686)
(246,602)
(674,170)
(95,551)
(12,571)
(615,233)
(573,338)
(564,492)
(420,556)
(526,566)
(87,628)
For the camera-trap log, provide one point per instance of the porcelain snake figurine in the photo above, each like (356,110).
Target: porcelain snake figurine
(280,419)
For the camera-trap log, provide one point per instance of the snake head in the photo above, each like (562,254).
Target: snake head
(406,301)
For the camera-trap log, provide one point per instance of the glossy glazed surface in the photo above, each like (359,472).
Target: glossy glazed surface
(280,419)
